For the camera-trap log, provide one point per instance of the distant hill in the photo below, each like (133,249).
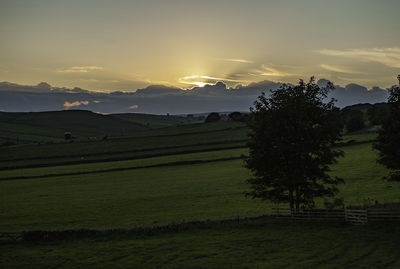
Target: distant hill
(26,127)
(155,121)
(365,105)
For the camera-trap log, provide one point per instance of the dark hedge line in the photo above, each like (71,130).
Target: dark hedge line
(139,231)
(123,168)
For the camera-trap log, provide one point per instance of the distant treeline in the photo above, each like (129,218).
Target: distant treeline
(360,116)
(355,117)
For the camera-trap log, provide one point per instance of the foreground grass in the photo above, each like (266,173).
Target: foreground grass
(251,245)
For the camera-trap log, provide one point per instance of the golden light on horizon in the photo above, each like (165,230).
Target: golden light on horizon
(170,44)
(202,80)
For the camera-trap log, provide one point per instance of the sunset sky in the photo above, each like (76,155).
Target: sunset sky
(126,45)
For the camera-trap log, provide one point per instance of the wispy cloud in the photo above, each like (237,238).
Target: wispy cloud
(68,105)
(80,69)
(339,69)
(386,56)
(272,72)
(237,60)
(355,79)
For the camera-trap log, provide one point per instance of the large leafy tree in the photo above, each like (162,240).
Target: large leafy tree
(388,142)
(291,139)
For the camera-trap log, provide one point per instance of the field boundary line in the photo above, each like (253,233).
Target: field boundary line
(177,163)
(118,158)
(124,151)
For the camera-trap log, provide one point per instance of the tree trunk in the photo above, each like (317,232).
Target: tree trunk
(297,199)
(291,200)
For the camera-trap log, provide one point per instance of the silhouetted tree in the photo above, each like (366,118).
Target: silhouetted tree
(290,145)
(213,117)
(388,142)
(378,114)
(235,116)
(355,124)
(353,118)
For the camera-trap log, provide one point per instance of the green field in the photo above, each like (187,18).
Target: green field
(155,121)
(39,127)
(174,175)
(142,144)
(162,195)
(252,245)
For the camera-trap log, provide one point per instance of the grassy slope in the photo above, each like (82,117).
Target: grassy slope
(363,177)
(103,166)
(254,245)
(196,137)
(125,199)
(155,121)
(168,137)
(164,194)
(50,126)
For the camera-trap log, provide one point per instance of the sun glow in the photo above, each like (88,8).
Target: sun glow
(198,83)
(201,80)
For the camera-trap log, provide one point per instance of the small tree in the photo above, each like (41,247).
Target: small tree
(355,123)
(388,142)
(213,117)
(237,116)
(290,147)
(378,114)
(353,118)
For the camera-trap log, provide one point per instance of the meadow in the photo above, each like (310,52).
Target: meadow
(251,245)
(176,175)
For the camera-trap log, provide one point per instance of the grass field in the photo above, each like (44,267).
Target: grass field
(162,195)
(153,143)
(174,175)
(25,127)
(251,245)
(155,121)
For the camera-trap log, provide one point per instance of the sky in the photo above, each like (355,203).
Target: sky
(126,45)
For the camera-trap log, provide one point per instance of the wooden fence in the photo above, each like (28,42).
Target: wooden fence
(314,214)
(352,215)
(384,214)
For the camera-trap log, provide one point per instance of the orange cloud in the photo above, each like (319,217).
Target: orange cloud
(68,105)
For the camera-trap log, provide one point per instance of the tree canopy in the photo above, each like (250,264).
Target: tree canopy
(290,145)
(388,141)
(353,119)
(213,117)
